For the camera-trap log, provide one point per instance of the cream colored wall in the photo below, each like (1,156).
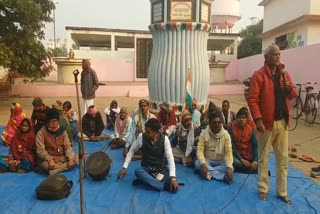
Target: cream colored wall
(217,74)
(267,41)
(314,7)
(277,13)
(301,29)
(90,54)
(313,33)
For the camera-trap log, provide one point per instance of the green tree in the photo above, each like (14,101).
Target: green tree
(22,29)
(250,43)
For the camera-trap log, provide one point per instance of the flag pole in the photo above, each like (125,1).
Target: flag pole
(185,89)
(184,99)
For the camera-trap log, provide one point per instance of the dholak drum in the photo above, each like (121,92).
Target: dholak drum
(98,165)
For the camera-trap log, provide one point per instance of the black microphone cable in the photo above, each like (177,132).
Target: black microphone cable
(259,156)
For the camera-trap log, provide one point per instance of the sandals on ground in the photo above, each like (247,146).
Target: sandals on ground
(293,153)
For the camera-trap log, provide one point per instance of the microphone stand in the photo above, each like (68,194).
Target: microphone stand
(81,146)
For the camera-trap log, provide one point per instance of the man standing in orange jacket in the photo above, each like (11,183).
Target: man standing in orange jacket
(271,89)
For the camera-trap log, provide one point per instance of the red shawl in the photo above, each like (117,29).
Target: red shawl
(28,143)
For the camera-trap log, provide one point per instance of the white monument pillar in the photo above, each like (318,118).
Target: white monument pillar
(179,45)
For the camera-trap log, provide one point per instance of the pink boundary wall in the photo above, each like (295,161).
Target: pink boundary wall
(129,90)
(302,64)
(114,70)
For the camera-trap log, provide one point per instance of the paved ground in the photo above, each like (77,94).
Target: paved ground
(305,139)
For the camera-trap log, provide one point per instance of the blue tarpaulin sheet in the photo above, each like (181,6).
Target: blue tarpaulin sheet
(17,192)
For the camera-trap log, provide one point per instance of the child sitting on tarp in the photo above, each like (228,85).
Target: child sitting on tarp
(22,154)
(16,117)
(112,113)
(72,116)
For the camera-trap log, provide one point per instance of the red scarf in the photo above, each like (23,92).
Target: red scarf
(120,127)
(28,143)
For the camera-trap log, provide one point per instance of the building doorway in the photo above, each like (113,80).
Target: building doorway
(143,53)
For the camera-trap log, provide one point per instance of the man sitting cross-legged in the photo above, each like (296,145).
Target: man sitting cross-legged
(155,148)
(167,119)
(187,140)
(122,133)
(215,151)
(138,126)
(244,144)
(54,151)
(92,125)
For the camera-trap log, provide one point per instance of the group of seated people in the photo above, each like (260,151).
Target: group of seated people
(214,141)
(215,144)
(215,150)
(42,143)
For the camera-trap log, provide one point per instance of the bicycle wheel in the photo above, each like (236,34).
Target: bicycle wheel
(311,109)
(296,108)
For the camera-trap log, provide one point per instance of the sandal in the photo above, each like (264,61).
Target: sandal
(308,159)
(293,153)
(315,169)
(263,196)
(285,199)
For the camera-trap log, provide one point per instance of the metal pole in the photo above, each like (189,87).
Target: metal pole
(54,25)
(54,29)
(81,147)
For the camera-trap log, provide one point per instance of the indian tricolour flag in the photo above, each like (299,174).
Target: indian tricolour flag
(188,93)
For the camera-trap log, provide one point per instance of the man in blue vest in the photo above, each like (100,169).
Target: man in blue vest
(155,147)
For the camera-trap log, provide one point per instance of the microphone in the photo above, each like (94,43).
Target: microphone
(283,72)
(287,86)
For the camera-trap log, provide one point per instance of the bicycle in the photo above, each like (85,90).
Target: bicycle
(314,110)
(308,107)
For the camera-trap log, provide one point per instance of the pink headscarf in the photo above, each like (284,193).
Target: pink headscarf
(16,117)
